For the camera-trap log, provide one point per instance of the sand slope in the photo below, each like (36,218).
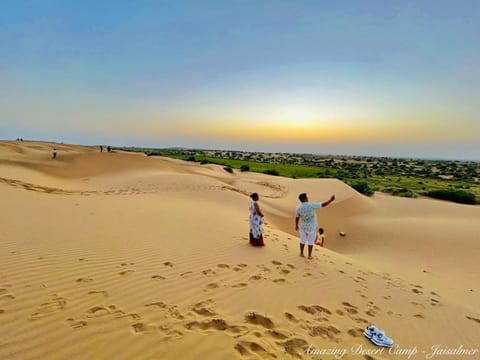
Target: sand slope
(122,256)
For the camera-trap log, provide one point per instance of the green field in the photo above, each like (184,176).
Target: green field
(457,181)
(401,185)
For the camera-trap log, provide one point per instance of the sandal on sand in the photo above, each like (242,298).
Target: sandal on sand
(370,331)
(381,339)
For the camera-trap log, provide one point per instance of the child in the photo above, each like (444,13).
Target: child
(320,237)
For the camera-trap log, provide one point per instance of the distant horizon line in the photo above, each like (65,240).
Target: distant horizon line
(304,153)
(257,152)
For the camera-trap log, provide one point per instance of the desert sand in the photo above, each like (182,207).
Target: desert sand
(122,256)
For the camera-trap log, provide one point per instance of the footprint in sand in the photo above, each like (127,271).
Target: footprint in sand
(259,319)
(97,311)
(276,262)
(256,277)
(246,348)
(2,311)
(6,297)
(208,272)
(314,309)
(326,332)
(223,266)
(168,263)
(3,291)
(279,281)
(126,272)
(356,332)
(204,308)
(186,273)
(359,320)
(158,304)
(349,308)
(291,317)
(417,305)
(139,327)
(158,277)
(84,280)
(78,324)
(214,324)
(420,316)
(55,304)
(240,267)
(263,268)
(295,346)
(240,285)
(416,291)
(211,286)
(277,334)
(473,319)
(93,292)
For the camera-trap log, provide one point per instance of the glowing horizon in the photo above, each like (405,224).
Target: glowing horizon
(388,79)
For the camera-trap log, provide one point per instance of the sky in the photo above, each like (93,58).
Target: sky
(381,78)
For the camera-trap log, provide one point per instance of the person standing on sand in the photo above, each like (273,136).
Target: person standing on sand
(256,221)
(101,148)
(54,153)
(306,212)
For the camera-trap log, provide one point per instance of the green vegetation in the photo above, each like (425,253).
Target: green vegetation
(271,172)
(363,188)
(228,169)
(458,196)
(399,177)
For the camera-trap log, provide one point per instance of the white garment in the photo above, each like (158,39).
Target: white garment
(307,237)
(308,216)
(256,221)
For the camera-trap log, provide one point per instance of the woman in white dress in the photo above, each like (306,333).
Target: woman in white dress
(256,222)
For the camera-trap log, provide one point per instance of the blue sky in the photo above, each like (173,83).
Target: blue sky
(348,77)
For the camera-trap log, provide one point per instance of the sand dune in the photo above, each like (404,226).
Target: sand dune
(122,256)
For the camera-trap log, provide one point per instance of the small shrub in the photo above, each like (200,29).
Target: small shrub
(271,172)
(363,188)
(458,196)
(203,162)
(228,169)
(398,191)
(191,158)
(244,168)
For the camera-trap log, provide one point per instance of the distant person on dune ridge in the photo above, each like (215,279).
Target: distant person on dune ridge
(256,222)
(306,212)
(101,148)
(54,153)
